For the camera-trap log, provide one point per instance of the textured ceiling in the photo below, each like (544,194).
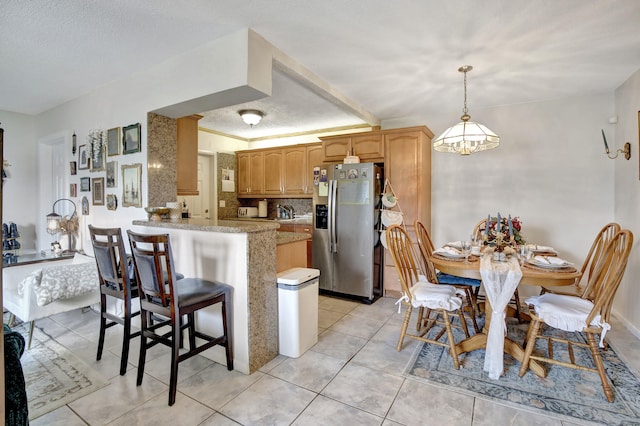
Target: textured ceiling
(394,58)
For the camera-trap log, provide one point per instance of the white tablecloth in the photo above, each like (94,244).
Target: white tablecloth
(500,280)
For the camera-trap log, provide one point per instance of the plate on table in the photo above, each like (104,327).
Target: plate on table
(449,252)
(543,250)
(549,262)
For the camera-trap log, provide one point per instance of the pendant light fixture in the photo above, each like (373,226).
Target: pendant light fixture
(467,136)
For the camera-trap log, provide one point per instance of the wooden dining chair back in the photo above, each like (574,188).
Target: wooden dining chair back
(602,239)
(588,314)
(162,295)
(478,230)
(439,303)
(115,281)
(426,249)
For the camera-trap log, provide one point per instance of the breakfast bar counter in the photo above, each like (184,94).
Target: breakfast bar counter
(243,255)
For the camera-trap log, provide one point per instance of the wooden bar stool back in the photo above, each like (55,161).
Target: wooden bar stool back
(116,282)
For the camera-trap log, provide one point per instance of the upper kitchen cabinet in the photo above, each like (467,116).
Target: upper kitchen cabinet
(273,182)
(250,173)
(187,155)
(278,172)
(369,146)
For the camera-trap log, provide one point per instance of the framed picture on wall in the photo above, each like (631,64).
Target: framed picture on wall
(98,191)
(112,174)
(85,184)
(73,189)
(85,205)
(84,157)
(112,202)
(72,168)
(97,164)
(131,139)
(113,141)
(132,185)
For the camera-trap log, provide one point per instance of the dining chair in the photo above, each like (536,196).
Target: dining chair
(588,314)
(115,281)
(440,299)
(603,238)
(171,300)
(477,234)
(426,248)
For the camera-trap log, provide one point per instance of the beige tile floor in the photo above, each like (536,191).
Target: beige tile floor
(353,376)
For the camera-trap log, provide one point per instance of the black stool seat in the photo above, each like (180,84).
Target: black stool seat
(161,294)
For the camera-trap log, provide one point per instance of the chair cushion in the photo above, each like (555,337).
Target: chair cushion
(567,313)
(196,290)
(454,280)
(435,296)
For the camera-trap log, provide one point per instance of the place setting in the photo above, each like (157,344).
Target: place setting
(554,263)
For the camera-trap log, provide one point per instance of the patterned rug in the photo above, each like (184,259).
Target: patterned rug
(565,393)
(54,376)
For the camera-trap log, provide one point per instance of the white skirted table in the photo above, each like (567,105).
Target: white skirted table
(500,279)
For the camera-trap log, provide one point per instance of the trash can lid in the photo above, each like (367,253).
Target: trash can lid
(295,276)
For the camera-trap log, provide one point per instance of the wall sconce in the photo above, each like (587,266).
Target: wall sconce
(73,143)
(626,151)
(251,116)
(57,223)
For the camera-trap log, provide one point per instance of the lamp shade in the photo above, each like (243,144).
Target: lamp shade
(251,116)
(53,223)
(465,138)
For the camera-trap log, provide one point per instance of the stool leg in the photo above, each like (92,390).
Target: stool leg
(103,326)
(124,359)
(176,339)
(145,317)
(226,324)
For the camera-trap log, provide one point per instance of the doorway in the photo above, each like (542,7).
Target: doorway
(202,206)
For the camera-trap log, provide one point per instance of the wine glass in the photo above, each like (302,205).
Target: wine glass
(466,249)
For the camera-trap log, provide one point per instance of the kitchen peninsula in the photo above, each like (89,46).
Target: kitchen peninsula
(243,255)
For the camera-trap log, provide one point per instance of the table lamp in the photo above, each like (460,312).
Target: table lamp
(56,223)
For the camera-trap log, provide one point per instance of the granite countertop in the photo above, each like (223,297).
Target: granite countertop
(210,225)
(290,237)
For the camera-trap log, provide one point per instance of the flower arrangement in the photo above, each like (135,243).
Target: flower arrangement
(97,141)
(501,232)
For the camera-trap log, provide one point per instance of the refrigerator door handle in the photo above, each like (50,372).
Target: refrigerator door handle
(330,216)
(333,189)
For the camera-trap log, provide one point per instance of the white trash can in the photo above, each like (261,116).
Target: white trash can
(297,310)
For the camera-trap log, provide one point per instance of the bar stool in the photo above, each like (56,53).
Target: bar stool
(151,255)
(115,281)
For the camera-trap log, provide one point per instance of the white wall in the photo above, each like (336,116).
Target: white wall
(19,192)
(627,198)
(549,170)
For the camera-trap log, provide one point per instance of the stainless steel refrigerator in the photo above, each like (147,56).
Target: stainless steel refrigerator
(346,248)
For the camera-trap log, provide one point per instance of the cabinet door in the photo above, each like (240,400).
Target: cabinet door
(368,146)
(314,158)
(256,161)
(273,172)
(295,170)
(187,155)
(244,173)
(336,148)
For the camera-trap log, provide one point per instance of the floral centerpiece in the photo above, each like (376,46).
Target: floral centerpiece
(501,232)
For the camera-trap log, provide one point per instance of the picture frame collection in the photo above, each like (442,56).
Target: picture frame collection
(97,156)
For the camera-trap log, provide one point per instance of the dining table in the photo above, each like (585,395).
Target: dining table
(500,278)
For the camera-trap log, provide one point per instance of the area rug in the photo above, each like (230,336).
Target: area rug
(565,393)
(54,376)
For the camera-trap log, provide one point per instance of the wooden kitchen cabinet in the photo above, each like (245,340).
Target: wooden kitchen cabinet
(295,170)
(315,156)
(187,155)
(278,172)
(369,146)
(302,228)
(250,173)
(273,172)
(408,167)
